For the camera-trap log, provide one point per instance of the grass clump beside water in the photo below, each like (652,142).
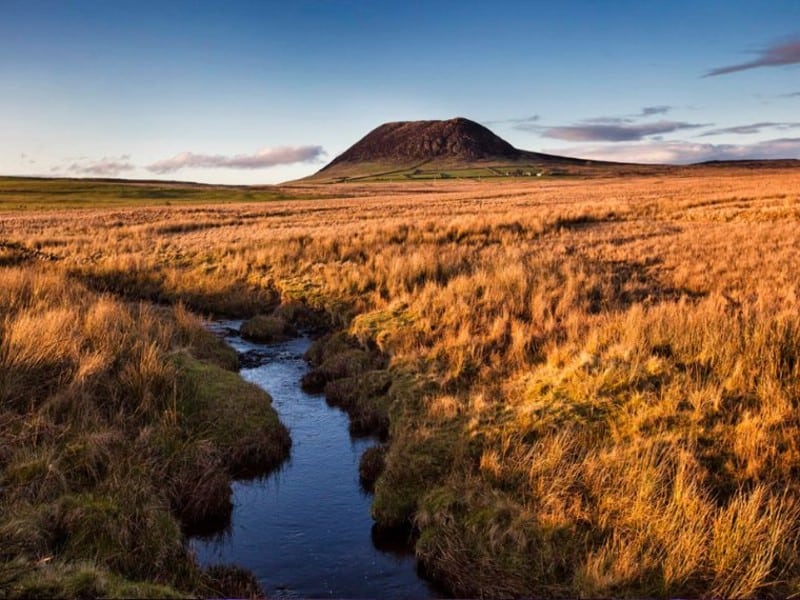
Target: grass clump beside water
(235,416)
(121,430)
(338,356)
(267,329)
(353,378)
(365,398)
(371,466)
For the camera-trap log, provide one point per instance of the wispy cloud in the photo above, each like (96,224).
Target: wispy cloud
(606,121)
(514,120)
(615,132)
(105,167)
(649,111)
(623,128)
(791,95)
(751,128)
(268,157)
(784,53)
(681,152)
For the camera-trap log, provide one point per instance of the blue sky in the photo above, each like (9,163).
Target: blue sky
(261,92)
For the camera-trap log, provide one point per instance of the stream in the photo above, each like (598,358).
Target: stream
(305,530)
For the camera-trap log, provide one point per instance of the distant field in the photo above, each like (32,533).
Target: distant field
(423,173)
(428,170)
(19,193)
(593,385)
(445,173)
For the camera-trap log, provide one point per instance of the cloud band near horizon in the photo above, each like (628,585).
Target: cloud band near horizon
(268,157)
(105,167)
(751,128)
(614,132)
(683,152)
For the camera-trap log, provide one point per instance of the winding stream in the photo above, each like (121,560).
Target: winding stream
(306,530)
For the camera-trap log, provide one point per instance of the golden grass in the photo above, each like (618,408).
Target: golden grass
(606,372)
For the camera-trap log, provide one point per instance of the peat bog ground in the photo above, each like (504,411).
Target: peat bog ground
(584,387)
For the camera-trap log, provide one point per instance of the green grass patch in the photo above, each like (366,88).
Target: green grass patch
(236,416)
(266,329)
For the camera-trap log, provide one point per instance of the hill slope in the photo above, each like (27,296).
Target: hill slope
(416,141)
(428,149)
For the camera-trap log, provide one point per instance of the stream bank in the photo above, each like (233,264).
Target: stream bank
(306,530)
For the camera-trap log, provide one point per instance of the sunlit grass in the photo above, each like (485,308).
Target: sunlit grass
(594,383)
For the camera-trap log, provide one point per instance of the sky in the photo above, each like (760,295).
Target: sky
(263,92)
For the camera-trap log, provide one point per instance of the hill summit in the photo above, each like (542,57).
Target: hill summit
(455,139)
(435,149)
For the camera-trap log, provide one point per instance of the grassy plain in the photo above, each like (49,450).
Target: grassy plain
(22,193)
(591,386)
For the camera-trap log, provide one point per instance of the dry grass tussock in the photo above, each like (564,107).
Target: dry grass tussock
(597,382)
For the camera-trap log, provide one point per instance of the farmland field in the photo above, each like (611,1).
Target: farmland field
(593,384)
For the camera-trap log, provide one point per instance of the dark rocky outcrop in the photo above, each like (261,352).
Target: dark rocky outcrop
(459,141)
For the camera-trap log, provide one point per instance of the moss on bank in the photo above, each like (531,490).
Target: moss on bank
(266,329)
(234,415)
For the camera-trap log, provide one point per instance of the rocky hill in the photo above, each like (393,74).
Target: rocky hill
(428,149)
(456,139)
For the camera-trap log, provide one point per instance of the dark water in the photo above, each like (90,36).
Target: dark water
(306,530)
